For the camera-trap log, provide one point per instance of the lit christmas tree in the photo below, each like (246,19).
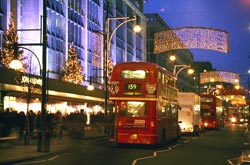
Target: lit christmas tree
(10,37)
(72,69)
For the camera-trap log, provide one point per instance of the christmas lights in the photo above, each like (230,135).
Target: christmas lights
(72,69)
(10,37)
(97,49)
(191,38)
(219,76)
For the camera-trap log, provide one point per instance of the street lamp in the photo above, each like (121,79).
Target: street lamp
(182,67)
(43,144)
(90,87)
(172,58)
(107,44)
(17,65)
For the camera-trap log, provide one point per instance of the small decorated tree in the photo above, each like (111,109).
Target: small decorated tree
(10,37)
(72,71)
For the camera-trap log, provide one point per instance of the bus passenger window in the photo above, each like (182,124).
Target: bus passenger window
(124,109)
(133,109)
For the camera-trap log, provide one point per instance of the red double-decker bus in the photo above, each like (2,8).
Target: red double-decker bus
(145,99)
(211,111)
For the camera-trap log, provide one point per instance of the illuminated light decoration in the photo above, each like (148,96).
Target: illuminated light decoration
(219,76)
(7,53)
(109,67)
(114,88)
(97,49)
(72,69)
(237,99)
(191,38)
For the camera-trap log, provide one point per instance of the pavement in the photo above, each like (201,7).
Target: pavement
(16,151)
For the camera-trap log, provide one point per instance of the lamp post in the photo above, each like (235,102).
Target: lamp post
(17,65)
(181,67)
(107,44)
(43,144)
(43,135)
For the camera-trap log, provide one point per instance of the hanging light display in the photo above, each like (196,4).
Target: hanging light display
(191,38)
(219,76)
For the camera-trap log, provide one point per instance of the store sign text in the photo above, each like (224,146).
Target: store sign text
(31,80)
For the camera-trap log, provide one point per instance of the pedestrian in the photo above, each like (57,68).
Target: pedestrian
(58,123)
(83,121)
(22,120)
(31,124)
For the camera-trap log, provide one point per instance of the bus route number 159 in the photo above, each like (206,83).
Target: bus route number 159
(131,86)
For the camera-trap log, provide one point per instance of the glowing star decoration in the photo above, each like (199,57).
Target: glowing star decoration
(191,38)
(219,76)
(97,49)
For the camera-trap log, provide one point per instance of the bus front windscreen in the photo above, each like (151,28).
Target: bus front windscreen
(133,109)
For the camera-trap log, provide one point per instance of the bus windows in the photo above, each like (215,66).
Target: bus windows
(133,109)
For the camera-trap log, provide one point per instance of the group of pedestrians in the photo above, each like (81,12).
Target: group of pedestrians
(73,124)
(23,124)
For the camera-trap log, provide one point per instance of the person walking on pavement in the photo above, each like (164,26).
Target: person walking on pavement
(83,121)
(58,123)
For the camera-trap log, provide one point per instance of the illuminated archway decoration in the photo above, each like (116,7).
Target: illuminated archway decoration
(219,76)
(191,38)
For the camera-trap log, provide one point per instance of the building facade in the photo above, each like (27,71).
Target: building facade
(81,22)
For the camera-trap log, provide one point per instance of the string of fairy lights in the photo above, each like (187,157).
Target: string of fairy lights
(191,37)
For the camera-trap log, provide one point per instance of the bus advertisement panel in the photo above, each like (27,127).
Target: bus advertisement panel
(145,102)
(211,111)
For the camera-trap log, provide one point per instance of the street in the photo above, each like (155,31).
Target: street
(217,147)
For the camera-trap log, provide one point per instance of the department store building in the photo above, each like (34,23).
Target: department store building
(68,21)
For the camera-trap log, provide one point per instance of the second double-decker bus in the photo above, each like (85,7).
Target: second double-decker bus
(211,111)
(145,99)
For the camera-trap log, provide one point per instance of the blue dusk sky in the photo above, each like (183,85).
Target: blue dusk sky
(232,16)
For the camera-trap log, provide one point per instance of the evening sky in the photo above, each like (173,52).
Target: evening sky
(232,16)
